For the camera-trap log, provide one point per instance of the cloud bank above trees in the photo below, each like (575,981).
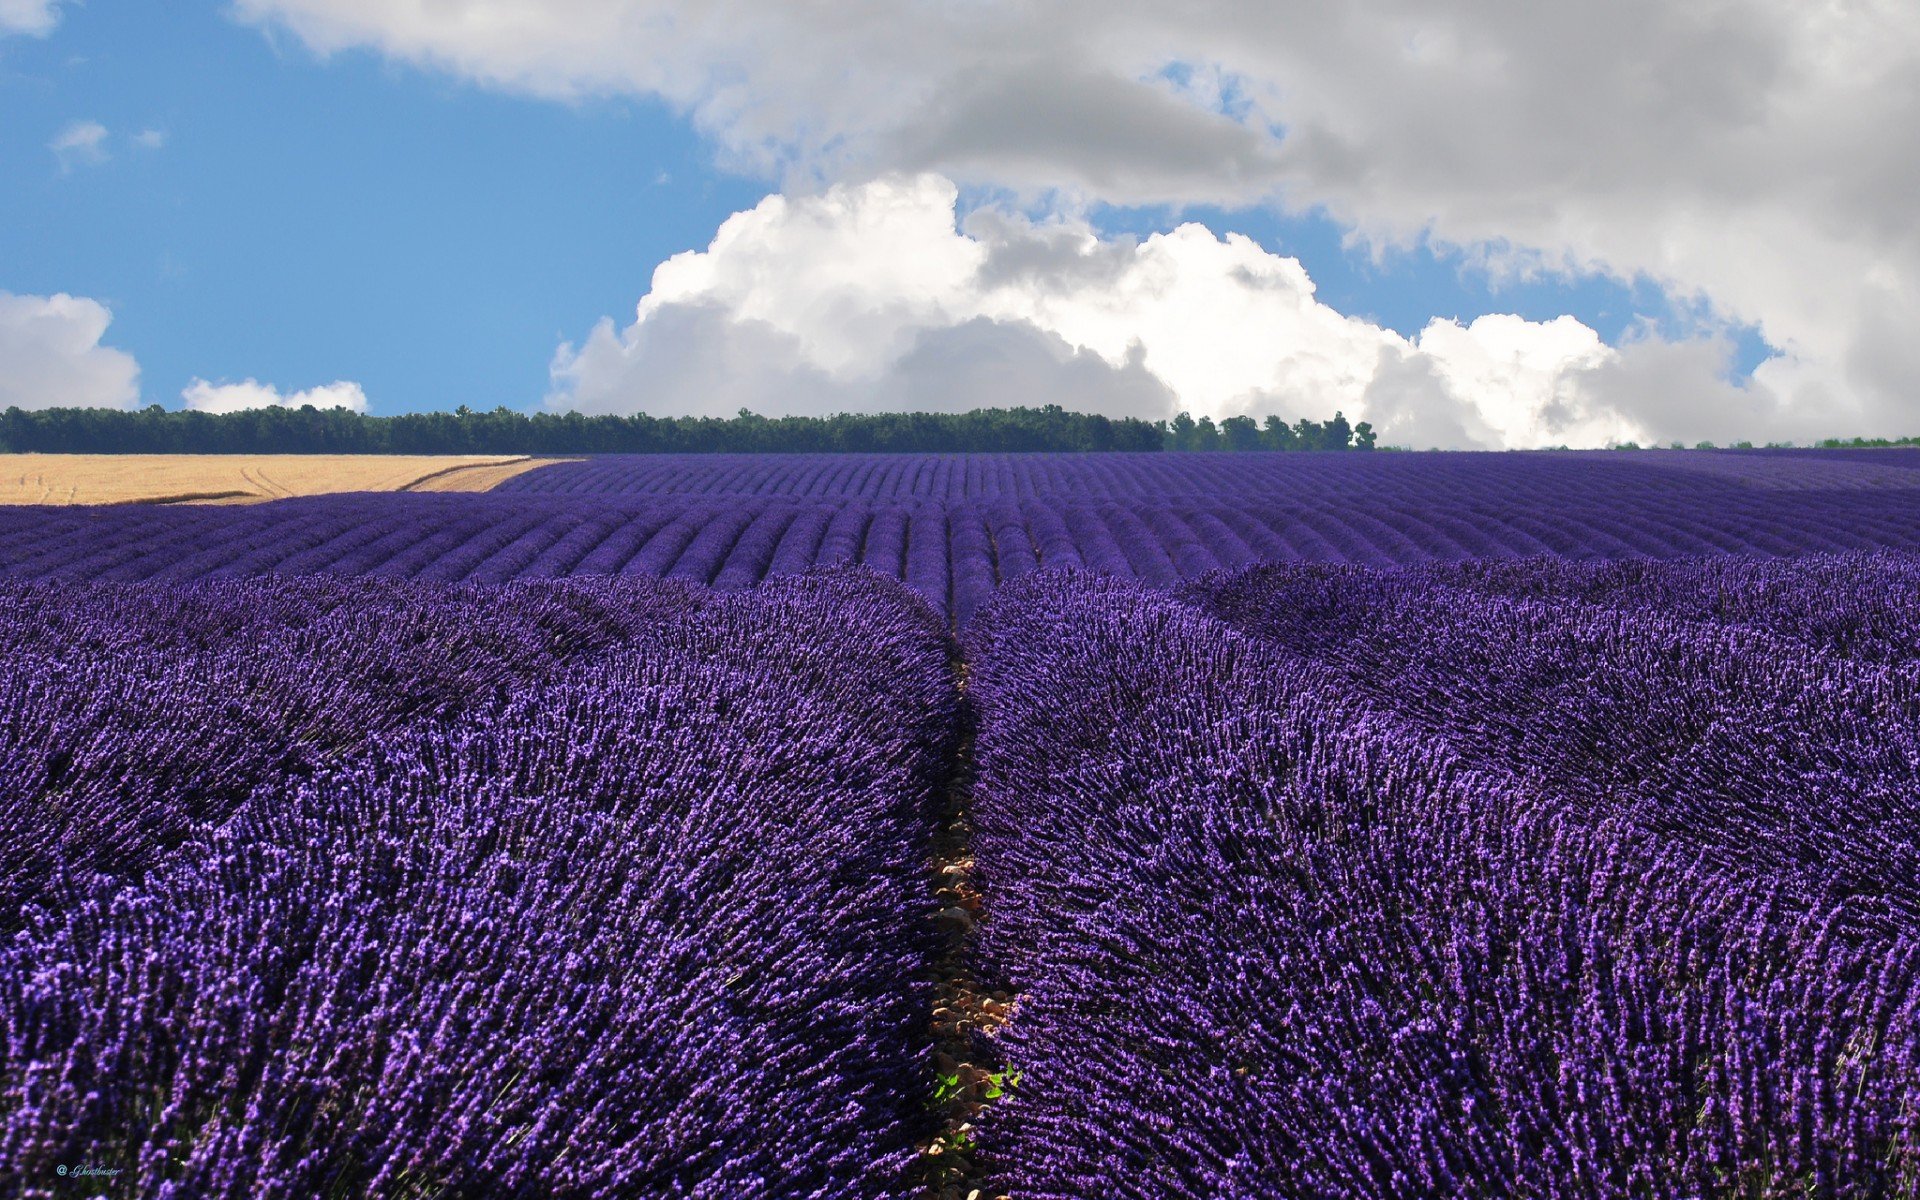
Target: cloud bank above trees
(201,396)
(51,356)
(876,295)
(1744,157)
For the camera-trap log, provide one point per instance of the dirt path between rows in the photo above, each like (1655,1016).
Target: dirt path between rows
(968,1075)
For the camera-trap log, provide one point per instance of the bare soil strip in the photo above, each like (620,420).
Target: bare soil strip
(197,498)
(242,478)
(479,477)
(967,1075)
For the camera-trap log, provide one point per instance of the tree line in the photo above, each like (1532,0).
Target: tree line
(1243,433)
(309,430)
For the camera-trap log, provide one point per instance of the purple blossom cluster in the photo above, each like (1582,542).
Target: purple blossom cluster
(651,921)
(1856,606)
(956,527)
(133,713)
(1693,730)
(1304,894)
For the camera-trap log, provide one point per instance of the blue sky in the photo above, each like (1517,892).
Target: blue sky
(306,221)
(331,199)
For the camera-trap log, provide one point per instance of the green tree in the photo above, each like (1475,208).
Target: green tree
(1180,431)
(1276,434)
(1240,433)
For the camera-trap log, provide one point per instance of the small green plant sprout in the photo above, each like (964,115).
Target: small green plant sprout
(991,1085)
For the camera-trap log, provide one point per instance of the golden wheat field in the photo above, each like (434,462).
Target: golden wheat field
(242,478)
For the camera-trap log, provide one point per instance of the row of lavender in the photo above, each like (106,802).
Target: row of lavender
(1518,880)
(1762,750)
(953,555)
(1855,606)
(584,889)
(1581,476)
(134,714)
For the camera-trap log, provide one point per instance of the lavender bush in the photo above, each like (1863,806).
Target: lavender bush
(1276,938)
(132,713)
(651,923)
(1852,605)
(1746,748)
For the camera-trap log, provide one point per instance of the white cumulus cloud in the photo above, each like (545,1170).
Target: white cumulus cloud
(51,356)
(877,296)
(202,396)
(1747,156)
(33,17)
(80,144)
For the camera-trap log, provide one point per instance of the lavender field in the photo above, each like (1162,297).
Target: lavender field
(955,527)
(1360,885)
(1295,825)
